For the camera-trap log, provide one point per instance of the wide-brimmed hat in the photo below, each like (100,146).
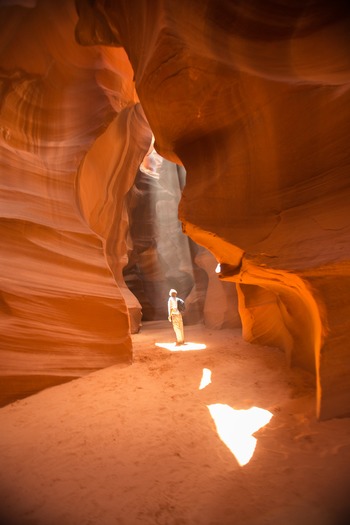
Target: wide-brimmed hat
(172,291)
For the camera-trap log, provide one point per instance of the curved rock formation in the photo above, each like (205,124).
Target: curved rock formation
(253,99)
(220,307)
(62,312)
(105,176)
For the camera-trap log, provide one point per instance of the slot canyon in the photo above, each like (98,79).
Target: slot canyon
(203,146)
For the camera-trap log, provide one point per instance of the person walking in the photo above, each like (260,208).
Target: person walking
(175,317)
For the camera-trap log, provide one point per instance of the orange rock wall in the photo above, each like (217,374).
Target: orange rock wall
(72,134)
(253,99)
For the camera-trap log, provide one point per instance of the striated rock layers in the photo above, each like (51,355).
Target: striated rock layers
(72,135)
(253,98)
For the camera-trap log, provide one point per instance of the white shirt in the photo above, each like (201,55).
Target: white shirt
(172,306)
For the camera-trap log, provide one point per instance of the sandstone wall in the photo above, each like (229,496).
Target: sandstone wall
(72,134)
(253,99)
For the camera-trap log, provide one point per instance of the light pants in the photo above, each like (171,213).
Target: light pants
(178,326)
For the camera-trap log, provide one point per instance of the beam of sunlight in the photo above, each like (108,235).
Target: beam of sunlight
(206,378)
(174,250)
(235,428)
(182,348)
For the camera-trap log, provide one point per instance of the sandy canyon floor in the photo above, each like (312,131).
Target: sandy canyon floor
(143,444)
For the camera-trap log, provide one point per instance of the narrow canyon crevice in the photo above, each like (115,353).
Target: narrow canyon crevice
(239,104)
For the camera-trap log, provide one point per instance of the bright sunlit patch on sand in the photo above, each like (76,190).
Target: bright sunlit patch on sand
(235,428)
(182,348)
(206,378)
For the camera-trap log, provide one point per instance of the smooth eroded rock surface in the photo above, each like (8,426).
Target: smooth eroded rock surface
(253,99)
(72,134)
